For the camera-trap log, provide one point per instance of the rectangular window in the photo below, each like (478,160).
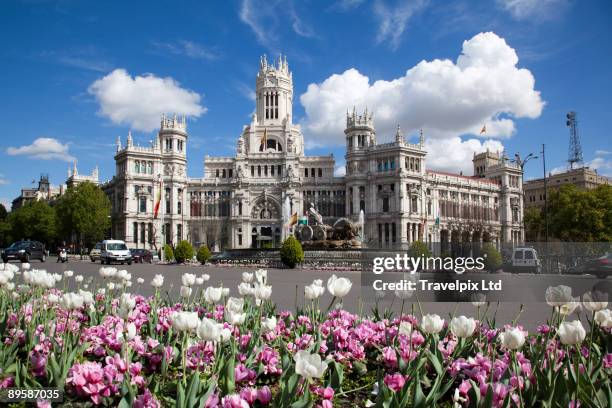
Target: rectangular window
(279,170)
(231,173)
(305,172)
(143,205)
(135,226)
(143,232)
(179,232)
(320,172)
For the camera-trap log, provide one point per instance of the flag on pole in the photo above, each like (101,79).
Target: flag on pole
(157,201)
(293,220)
(484,129)
(264,139)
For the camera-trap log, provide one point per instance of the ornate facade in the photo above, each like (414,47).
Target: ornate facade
(238,203)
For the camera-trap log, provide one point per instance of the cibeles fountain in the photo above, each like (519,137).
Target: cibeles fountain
(315,234)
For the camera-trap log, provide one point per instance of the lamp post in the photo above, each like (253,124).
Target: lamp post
(161,229)
(545,194)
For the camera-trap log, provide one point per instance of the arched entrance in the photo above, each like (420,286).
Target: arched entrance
(266,220)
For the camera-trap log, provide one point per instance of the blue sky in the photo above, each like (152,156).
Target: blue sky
(77,74)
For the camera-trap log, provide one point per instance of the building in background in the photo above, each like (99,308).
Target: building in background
(584,178)
(238,203)
(47,192)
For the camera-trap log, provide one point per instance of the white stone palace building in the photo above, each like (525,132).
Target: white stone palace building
(238,201)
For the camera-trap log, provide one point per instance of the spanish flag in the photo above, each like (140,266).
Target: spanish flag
(264,139)
(484,129)
(157,201)
(293,220)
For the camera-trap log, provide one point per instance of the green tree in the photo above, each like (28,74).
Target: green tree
(581,216)
(3,212)
(419,249)
(291,252)
(534,224)
(83,213)
(35,220)
(183,251)
(168,253)
(493,259)
(203,255)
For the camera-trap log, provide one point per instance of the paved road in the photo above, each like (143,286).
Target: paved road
(524,288)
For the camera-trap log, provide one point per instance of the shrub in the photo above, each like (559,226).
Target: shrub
(203,254)
(183,252)
(419,249)
(493,258)
(291,252)
(168,253)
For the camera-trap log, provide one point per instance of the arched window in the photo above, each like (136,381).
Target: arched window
(137,167)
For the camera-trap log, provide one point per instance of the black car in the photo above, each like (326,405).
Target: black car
(25,251)
(601,267)
(140,255)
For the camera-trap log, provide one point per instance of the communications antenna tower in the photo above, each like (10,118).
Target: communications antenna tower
(575,150)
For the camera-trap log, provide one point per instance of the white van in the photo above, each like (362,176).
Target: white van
(525,260)
(115,251)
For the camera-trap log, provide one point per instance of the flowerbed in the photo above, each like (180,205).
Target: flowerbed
(218,347)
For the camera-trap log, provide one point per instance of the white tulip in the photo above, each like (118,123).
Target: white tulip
(235,304)
(123,274)
(199,281)
(225,292)
(25,266)
(57,277)
(10,286)
(338,287)
(261,275)
(71,301)
(247,277)
(78,278)
(226,334)
(268,324)
(462,326)
(130,331)
(234,318)
(405,328)
(68,274)
(313,291)
(53,298)
(209,330)
(185,291)
(432,324)
(604,318)
(107,272)
(87,297)
(309,365)
(126,304)
(571,332)
(570,307)
(245,289)
(102,291)
(3,279)
(513,338)
(188,279)
(212,295)
(185,321)
(140,281)
(158,281)
(205,277)
(262,292)
(558,295)
(595,301)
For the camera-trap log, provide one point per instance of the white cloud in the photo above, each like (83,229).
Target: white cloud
(393,21)
(7,203)
(340,171)
(527,9)
(245,90)
(140,101)
(454,155)
(45,148)
(189,49)
(444,98)
(264,17)
(602,164)
(3,180)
